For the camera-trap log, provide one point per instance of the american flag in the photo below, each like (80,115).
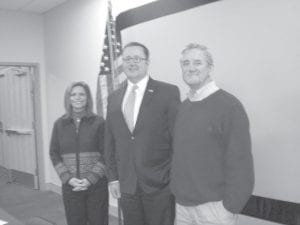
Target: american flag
(109,78)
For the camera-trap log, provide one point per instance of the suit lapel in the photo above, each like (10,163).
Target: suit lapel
(149,92)
(119,97)
(119,100)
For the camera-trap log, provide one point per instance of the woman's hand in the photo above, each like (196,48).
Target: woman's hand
(79,184)
(75,182)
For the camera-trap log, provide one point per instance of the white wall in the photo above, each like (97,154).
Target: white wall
(22,40)
(21,37)
(120,6)
(67,42)
(69,38)
(74,35)
(255,45)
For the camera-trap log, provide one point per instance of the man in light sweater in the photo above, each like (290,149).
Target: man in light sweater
(212,173)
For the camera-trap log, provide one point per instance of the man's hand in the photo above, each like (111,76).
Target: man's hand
(114,188)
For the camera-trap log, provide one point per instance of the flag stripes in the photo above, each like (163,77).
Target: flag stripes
(110,66)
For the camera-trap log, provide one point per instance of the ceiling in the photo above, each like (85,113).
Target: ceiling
(35,6)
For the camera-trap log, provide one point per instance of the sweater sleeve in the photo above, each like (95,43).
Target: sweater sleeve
(239,172)
(98,170)
(173,108)
(56,158)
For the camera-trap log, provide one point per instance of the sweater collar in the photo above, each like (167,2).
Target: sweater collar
(203,92)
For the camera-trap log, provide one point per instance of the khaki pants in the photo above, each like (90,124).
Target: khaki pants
(210,213)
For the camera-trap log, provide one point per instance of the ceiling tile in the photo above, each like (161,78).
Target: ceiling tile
(42,5)
(13,4)
(37,6)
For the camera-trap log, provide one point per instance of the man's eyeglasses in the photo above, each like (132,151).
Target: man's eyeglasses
(135,59)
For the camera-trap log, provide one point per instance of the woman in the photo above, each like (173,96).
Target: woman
(76,151)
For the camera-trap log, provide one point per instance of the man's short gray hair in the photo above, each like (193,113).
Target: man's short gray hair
(202,48)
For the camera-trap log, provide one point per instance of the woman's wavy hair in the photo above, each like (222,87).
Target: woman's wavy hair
(89,102)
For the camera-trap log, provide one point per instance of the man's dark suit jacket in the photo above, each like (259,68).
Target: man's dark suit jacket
(142,157)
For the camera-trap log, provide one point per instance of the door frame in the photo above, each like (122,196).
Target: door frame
(37,115)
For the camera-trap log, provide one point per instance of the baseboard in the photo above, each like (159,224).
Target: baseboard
(3,171)
(22,178)
(18,177)
(53,187)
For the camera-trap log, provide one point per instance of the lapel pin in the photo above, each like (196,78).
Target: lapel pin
(150,90)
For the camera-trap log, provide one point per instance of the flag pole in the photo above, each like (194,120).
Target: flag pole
(112,47)
(111,40)
(119,213)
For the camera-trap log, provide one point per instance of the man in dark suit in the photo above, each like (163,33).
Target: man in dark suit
(140,118)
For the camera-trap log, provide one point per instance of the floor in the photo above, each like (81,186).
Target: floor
(33,207)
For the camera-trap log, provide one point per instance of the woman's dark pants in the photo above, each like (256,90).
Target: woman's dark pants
(88,207)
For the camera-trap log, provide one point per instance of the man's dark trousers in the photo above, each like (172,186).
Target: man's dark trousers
(157,208)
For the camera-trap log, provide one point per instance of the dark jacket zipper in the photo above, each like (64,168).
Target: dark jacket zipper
(77,150)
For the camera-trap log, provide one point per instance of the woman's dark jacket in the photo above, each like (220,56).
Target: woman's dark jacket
(78,152)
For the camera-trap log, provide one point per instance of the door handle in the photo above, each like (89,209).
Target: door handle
(18,132)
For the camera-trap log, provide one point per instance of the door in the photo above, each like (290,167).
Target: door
(2,161)
(17,135)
